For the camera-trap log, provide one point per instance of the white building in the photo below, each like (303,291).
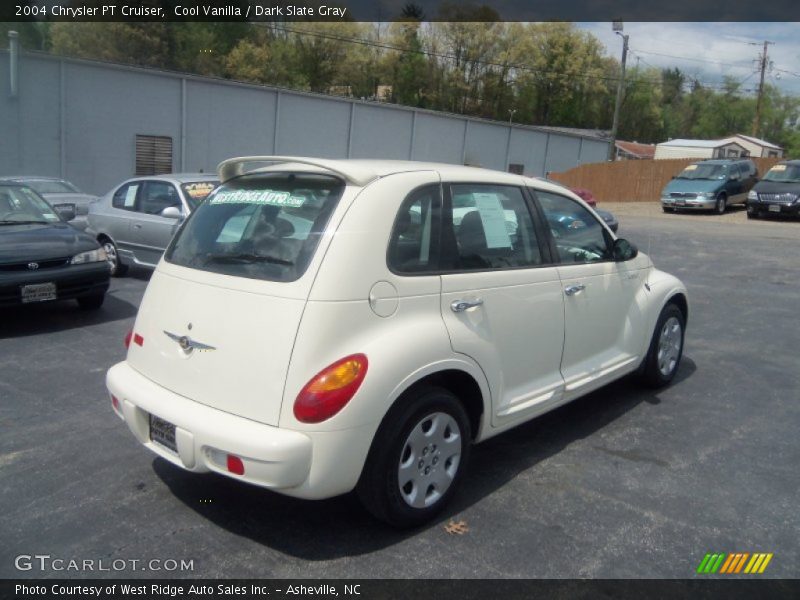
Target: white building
(758,147)
(725,148)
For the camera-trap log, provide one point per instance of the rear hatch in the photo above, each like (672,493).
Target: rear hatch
(220,315)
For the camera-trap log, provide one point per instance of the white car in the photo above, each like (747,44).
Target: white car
(318,326)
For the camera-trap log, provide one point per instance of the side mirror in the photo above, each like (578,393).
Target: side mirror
(623,250)
(171,212)
(67,211)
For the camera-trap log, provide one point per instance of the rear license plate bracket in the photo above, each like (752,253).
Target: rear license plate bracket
(163,433)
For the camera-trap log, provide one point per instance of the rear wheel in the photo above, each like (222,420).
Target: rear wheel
(118,268)
(91,302)
(666,348)
(417,459)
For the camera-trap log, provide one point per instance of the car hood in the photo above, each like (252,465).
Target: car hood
(777,187)
(693,185)
(81,201)
(42,241)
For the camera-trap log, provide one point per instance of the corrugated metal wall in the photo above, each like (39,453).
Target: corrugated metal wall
(79,120)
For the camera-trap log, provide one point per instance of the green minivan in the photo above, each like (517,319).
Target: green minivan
(710,185)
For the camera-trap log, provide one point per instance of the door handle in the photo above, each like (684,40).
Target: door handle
(571,290)
(462,305)
(137,225)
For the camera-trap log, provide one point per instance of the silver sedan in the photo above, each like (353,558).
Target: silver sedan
(135,221)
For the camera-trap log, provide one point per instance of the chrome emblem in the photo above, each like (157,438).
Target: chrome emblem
(187,344)
(33,266)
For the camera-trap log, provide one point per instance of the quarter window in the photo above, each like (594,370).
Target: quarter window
(579,236)
(414,245)
(490,227)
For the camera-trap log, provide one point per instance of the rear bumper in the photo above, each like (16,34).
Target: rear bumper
(273,457)
(72,281)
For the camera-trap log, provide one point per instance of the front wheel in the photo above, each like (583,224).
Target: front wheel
(118,268)
(666,348)
(722,204)
(417,459)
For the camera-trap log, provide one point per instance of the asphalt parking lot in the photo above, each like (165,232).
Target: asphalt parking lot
(622,483)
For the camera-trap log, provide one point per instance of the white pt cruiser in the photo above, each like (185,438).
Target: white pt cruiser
(318,326)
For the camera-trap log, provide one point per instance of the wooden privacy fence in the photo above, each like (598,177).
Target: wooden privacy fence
(633,180)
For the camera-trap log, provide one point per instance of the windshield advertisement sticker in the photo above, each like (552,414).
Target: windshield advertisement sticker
(199,190)
(260,197)
(777,168)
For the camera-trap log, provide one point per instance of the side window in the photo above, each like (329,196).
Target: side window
(158,195)
(413,247)
(125,197)
(579,236)
(490,227)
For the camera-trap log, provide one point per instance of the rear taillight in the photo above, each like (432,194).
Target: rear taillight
(330,390)
(128,337)
(115,402)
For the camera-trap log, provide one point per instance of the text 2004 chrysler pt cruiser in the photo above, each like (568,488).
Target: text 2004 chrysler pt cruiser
(317,326)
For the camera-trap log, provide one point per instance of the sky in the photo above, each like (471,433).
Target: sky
(710,51)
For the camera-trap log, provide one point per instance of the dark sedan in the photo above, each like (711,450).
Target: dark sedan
(44,258)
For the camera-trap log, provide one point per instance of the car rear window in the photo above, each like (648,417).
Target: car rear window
(263,226)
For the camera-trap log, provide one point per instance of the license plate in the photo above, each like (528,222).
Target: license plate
(38,292)
(774,208)
(163,432)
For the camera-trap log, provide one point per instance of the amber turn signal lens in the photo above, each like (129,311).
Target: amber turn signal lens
(331,389)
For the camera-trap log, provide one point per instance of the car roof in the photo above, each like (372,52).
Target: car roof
(794,162)
(722,161)
(363,171)
(179,177)
(19,178)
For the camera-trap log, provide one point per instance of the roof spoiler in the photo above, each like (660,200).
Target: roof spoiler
(233,167)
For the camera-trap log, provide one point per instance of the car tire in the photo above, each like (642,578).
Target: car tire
(722,204)
(91,302)
(752,215)
(417,459)
(118,268)
(666,348)
(667,210)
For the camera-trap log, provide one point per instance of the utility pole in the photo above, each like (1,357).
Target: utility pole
(764,63)
(612,151)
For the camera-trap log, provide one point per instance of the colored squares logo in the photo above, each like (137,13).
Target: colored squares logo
(734,563)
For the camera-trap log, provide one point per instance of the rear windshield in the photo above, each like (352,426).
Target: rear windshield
(263,226)
(46,186)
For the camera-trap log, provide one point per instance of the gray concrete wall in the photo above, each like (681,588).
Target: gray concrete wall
(79,120)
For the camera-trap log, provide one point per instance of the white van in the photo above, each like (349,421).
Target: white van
(318,326)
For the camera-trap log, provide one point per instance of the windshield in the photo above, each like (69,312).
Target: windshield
(783,173)
(262,226)
(704,171)
(20,204)
(196,191)
(45,186)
